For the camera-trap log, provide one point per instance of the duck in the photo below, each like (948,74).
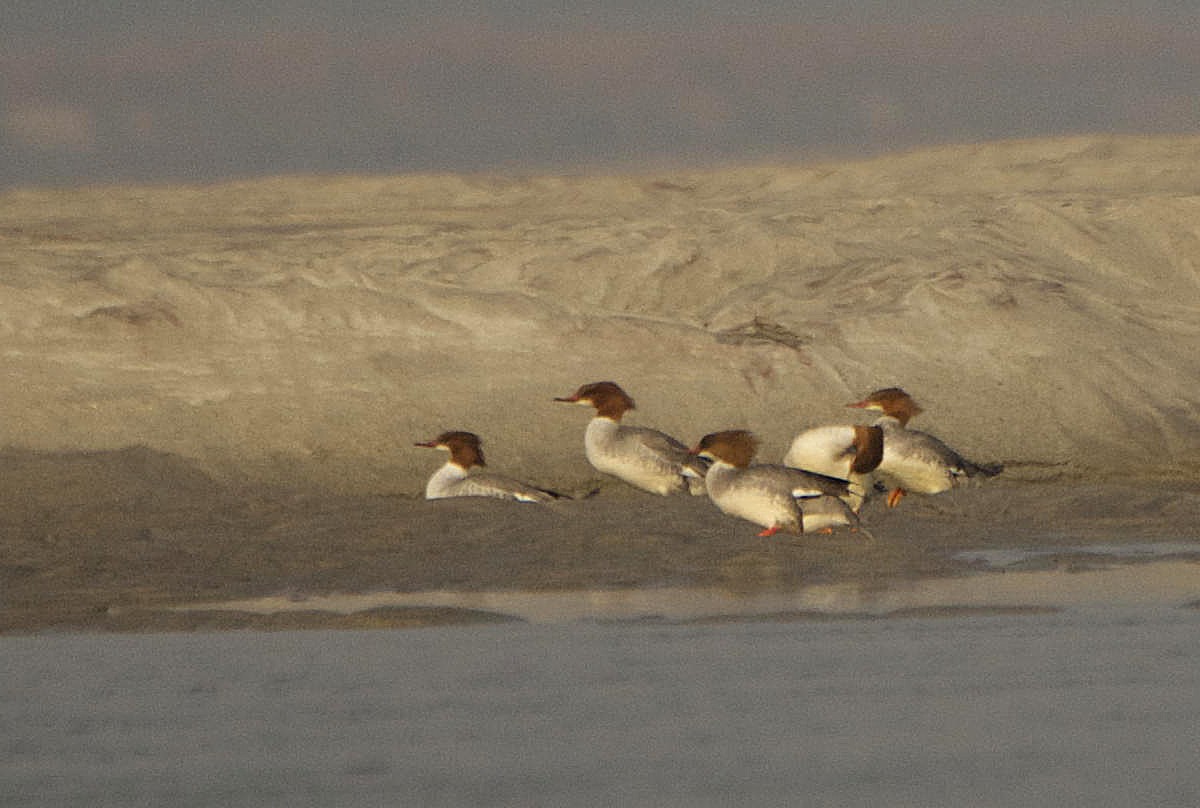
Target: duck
(645,458)
(849,452)
(915,461)
(460,475)
(774,497)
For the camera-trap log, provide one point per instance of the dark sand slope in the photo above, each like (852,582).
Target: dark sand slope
(172,359)
(109,541)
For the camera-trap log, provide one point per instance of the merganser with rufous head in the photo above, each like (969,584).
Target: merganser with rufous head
(774,497)
(461,475)
(848,452)
(915,461)
(645,458)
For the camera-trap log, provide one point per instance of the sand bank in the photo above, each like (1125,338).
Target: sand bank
(211,392)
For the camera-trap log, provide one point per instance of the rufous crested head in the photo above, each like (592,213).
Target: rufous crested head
(733,446)
(868,449)
(608,398)
(466,449)
(891,401)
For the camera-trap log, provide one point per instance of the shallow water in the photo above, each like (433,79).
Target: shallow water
(1169,576)
(1088,706)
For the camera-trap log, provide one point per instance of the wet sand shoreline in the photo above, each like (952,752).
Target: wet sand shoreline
(119,541)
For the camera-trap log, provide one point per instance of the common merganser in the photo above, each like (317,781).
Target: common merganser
(775,497)
(846,452)
(914,460)
(645,458)
(459,478)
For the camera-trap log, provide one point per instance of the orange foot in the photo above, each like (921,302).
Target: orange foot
(895,496)
(771,531)
(826,531)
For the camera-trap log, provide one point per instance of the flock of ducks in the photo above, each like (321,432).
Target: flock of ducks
(824,479)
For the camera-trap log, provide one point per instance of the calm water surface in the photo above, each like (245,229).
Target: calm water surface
(1090,707)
